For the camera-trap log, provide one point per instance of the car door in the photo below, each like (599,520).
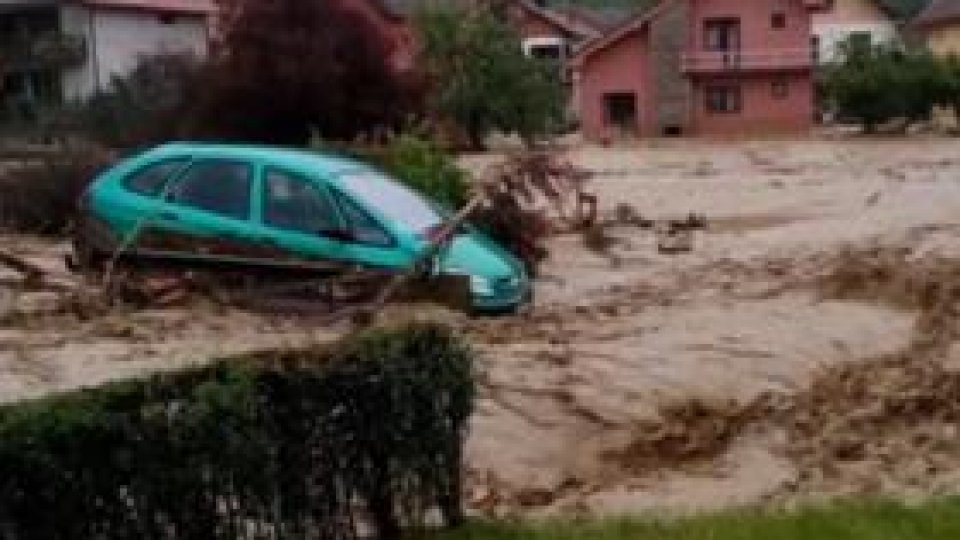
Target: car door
(298,216)
(206,213)
(308,217)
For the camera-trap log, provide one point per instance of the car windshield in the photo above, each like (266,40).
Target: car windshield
(394,200)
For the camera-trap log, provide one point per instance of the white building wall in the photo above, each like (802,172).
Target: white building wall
(118,39)
(831,35)
(79,81)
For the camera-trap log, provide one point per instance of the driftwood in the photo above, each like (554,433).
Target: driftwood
(34,277)
(30,272)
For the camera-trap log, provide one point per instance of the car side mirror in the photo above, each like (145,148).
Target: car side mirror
(338,233)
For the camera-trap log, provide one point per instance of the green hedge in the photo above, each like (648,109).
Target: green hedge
(301,444)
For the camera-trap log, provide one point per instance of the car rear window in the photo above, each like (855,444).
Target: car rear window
(149,180)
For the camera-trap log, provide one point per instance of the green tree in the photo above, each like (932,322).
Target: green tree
(860,87)
(950,96)
(923,84)
(877,84)
(905,9)
(481,80)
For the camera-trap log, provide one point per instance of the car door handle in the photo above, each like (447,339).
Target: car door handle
(168,216)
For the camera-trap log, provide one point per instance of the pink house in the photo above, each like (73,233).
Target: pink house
(701,67)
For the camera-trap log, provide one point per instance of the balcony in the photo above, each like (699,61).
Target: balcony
(48,50)
(746,60)
(818,5)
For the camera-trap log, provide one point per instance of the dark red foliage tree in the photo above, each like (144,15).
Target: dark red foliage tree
(282,68)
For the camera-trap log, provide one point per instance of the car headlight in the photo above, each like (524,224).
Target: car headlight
(480,285)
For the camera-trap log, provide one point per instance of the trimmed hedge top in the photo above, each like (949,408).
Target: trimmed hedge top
(316,443)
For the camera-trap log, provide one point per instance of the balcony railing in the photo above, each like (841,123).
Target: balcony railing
(747,60)
(46,50)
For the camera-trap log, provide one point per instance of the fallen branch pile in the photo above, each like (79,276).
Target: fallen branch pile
(530,196)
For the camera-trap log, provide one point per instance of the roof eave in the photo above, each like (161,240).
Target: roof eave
(618,33)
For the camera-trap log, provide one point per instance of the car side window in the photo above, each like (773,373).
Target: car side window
(294,203)
(149,180)
(364,228)
(219,187)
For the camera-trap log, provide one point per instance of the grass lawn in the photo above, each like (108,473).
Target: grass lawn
(867,521)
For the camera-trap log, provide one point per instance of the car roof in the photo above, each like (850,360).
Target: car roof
(296,160)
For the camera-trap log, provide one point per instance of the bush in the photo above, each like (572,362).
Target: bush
(425,166)
(148,106)
(40,196)
(282,445)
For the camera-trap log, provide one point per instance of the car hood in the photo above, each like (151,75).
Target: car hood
(474,254)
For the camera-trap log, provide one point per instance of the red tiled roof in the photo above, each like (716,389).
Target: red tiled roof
(177,6)
(939,12)
(599,20)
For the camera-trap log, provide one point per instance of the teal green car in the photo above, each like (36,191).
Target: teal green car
(277,208)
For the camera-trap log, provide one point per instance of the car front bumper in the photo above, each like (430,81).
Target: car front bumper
(506,298)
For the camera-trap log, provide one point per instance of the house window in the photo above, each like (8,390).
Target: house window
(546,52)
(780,89)
(721,34)
(778,21)
(546,48)
(724,98)
(815,49)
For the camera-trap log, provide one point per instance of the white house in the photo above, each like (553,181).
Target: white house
(869,21)
(61,50)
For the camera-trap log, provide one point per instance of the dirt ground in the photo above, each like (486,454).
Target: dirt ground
(808,346)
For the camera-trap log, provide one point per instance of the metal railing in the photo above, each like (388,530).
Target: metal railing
(747,60)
